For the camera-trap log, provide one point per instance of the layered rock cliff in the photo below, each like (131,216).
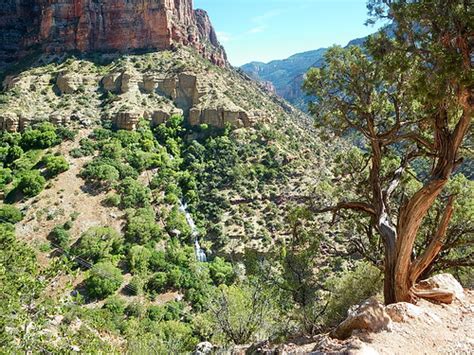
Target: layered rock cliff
(56,26)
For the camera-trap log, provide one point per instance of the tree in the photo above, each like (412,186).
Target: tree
(240,312)
(10,214)
(31,183)
(55,165)
(410,98)
(98,243)
(104,280)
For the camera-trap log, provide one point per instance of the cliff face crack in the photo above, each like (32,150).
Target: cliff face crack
(116,25)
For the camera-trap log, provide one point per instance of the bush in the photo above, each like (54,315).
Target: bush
(134,194)
(112,200)
(135,309)
(104,280)
(139,258)
(349,288)
(142,227)
(6,177)
(60,236)
(10,214)
(55,165)
(221,271)
(157,283)
(44,136)
(115,304)
(100,172)
(99,243)
(234,312)
(31,183)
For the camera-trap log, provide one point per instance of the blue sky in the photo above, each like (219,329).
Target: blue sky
(263,30)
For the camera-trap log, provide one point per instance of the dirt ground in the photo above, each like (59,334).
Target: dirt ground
(441,329)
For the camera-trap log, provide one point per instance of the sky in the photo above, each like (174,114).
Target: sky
(264,30)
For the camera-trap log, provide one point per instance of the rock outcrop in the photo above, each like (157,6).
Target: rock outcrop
(102,26)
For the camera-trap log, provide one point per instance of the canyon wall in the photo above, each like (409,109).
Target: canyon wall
(57,26)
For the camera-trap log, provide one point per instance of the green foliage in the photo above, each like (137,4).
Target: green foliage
(112,200)
(104,280)
(350,288)
(44,136)
(6,177)
(55,164)
(98,243)
(10,214)
(242,313)
(138,259)
(60,236)
(221,271)
(115,305)
(134,194)
(31,183)
(141,226)
(101,173)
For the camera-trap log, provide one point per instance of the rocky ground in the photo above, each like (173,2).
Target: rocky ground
(400,329)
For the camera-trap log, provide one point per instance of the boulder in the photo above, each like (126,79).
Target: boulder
(9,122)
(68,83)
(442,288)
(129,81)
(111,82)
(204,348)
(370,316)
(403,311)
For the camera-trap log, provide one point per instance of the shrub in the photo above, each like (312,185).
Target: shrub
(142,227)
(157,283)
(60,236)
(10,214)
(139,258)
(31,183)
(115,304)
(6,177)
(135,287)
(104,280)
(135,309)
(100,172)
(99,243)
(55,165)
(44,136)
(134,194)
(66,134)
(112,200)
(221,271)
(241,312)
(349,288)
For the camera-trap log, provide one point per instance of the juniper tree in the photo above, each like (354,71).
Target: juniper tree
(409,95)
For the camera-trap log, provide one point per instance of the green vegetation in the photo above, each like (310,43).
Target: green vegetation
(55,165)
(104,279)
(10,214)
(277,266)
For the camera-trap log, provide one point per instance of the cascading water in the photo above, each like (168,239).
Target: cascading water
(200,254)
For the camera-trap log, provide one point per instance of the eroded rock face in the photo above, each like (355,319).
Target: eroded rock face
(100,26)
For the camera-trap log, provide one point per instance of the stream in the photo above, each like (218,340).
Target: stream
(200,254)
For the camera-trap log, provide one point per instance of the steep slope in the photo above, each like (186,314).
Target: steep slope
(160,155)
(155,86)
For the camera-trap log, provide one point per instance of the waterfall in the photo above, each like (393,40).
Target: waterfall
(200,254)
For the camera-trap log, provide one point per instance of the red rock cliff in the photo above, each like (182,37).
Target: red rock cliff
(57,26)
